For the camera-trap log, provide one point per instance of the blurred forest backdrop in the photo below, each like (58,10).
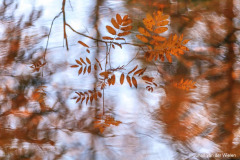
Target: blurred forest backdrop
(71,87)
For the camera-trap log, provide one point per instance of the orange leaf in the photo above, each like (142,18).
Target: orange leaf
(127,22)
(144,32)
(84,44)
(74,66)
(80,71)
(95,66)
(134,81)
(91,98)
(159,38)
(89,69)
(82,99)
(113,79)
(78,62)
(114,23)
(128,28)
(139,71)
(87,100)
(88,61)
(118,38)
(105,74)
(124,33)
(133,69)
(160,30)
(184,48)
(118,45)
(129,81)
(125,17)
(99,63)
(142,38)
(119,19)
(162,23)
(78,100)
(111,30)
(99,94)
(85,69)
(185,41)
(169,58)
(107,38)
(122,79)
(146,78)
(82,61)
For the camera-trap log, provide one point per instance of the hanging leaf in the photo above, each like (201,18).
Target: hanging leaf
(114,23)
(129,81)
(162,23)
(74,66)
(107,38)
(80,71)
(128,28)
(122,78)
(146,78)
(185,84)
(113,79)
(78,62)
(78,100)
(82,99)
(89,69)
(99,94)
(111,30)
(83,44)
(127,22)
(85,69)
(88,50)
(160,30)
(144,31)
(118,45)
(105,74)
(125,17)
(95,96)
(113,46)
(185,41)
(82,61)
(142,38)
(87,100)
(118,38)
(169,58)
(149,22)
(159,38)
(139,71)
(164,18)
(119,19)
(184,48)
(133,69)
(91,98)
(134,81)
(95,66)
(99,63)
(123,34)
(88,61)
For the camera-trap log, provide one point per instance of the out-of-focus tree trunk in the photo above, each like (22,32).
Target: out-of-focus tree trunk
(228,104)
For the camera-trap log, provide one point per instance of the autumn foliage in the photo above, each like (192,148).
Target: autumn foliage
(155,47)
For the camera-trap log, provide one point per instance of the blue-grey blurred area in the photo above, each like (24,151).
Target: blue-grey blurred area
(41,116)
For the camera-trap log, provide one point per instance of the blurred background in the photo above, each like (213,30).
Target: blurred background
(39,119)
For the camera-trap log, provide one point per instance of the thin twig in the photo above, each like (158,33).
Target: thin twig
(132,59)
(64,23)
(50,33)
(99,40)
